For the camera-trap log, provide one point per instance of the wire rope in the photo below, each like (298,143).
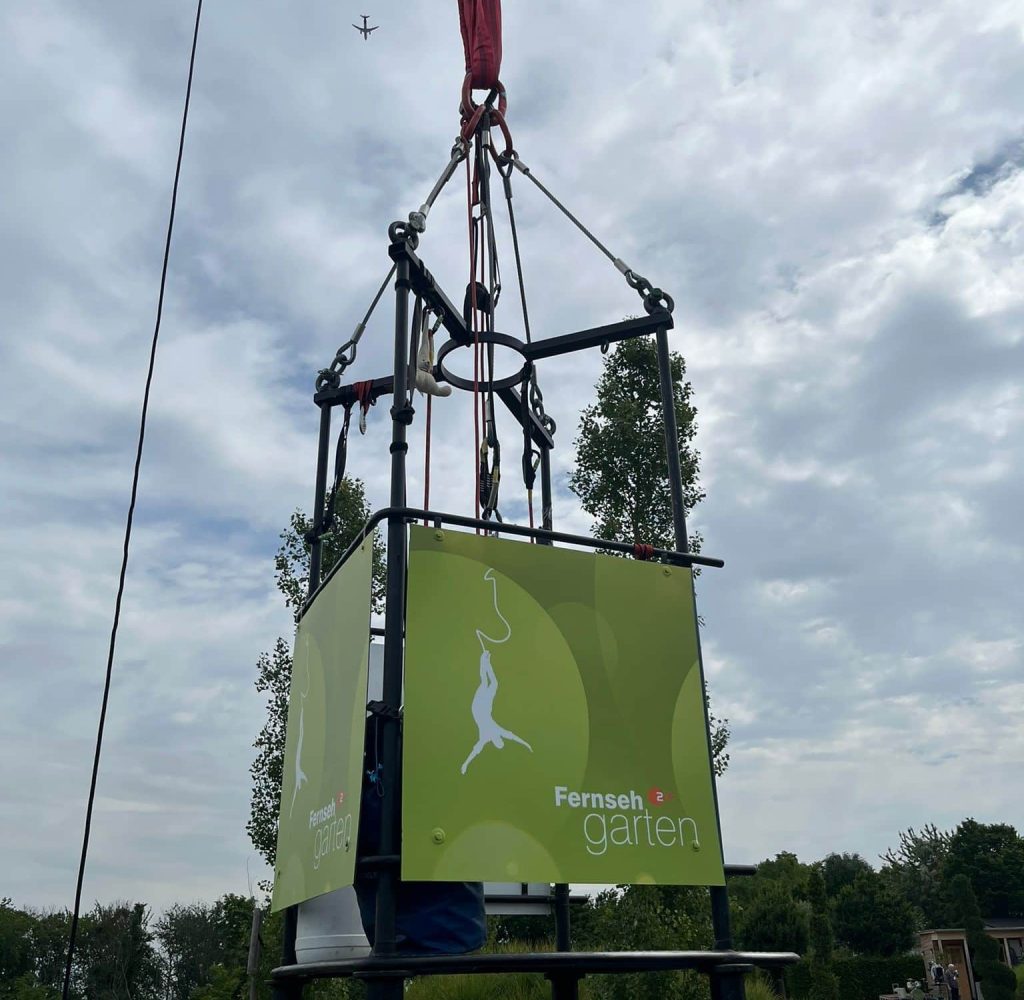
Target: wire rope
(130,517)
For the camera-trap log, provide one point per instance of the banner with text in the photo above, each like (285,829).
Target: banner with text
(323,756)
(555,728)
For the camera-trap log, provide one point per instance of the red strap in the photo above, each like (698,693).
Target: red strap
(364,391)
(480,21)
(642,551)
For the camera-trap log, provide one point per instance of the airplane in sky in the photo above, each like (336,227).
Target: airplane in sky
(364,30)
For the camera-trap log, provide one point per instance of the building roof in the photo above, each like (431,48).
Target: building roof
(991,924)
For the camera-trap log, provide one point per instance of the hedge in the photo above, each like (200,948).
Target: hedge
(860,978)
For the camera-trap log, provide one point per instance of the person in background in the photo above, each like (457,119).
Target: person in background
(952,981)
(938,979)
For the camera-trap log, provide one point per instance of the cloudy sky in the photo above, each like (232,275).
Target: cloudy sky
(832,191)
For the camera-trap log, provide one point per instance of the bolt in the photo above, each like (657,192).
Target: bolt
(437,835)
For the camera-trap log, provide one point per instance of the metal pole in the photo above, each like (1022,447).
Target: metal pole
(545,489)
(562,987)
(320,496)
(394,626)
(727,987)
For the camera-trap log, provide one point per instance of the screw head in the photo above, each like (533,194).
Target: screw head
(437,835)
(667,571)
(439,535)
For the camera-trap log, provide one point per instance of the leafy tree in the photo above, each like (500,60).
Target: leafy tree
(840,870)
(824,984)
(785,869)
(621,473)
(116,955)
(15,942)
(870,918)
(772,920)
(998,981)
(621,477)
(274,669)
(991,855)
(915,869)
(199,937)
(645,918)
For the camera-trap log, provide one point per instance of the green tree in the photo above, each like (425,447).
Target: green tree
(772,920)
(116,957)
(871,919)
(274,669)
(16,958)
(621,474)
(998,982)
(840,870)
(645,918)
(991,855)
(824,984)
(915,869)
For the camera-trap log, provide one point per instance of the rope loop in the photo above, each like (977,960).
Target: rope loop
(472,113)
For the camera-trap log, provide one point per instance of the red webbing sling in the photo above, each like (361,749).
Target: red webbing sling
(480,21)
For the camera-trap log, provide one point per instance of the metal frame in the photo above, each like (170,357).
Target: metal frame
(384,970)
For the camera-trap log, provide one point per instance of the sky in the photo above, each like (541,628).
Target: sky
(832,192)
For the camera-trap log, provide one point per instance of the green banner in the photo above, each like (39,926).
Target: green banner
(555,728)
(323,756)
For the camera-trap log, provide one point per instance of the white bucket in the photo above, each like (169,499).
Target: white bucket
(329,929)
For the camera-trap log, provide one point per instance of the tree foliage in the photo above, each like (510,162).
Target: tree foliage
(772,920)
(621,476)
(871,919)
(991,856)
(274,669)
(916,870)
(824,984)
(841,870)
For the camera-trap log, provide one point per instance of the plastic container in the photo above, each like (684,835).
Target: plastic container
(329,929)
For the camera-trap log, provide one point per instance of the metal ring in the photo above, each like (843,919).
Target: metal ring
(469,106)
(486,385)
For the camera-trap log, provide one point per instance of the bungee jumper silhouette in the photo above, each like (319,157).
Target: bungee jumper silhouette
(483,701)
(300,775)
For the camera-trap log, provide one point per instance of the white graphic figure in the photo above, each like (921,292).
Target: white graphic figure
(300,775)
(483,700)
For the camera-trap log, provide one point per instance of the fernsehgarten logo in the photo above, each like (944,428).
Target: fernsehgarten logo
(623,820)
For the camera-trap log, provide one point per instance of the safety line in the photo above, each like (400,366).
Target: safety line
(131,515)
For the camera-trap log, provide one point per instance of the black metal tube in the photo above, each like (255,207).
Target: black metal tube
(728,987)
(545,490)
(394,628)
(543,536)
(320,496)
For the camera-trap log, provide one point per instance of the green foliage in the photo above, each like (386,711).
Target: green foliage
(841,870)
(621,477)
(115,954)
(997,980)
(862,978)
(516,986)
(642,918)
(15,942)
(871,919)
(199,937)
(915,869)
(758,986)
(824,984)
(1018,973)
(274,669)
(772,920)
(991,855)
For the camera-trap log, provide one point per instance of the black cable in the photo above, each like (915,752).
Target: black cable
(131,515)
(507,181)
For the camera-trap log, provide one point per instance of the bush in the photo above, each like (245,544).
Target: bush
(758,986)
(1019,973)
(860,978)
(997,981)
